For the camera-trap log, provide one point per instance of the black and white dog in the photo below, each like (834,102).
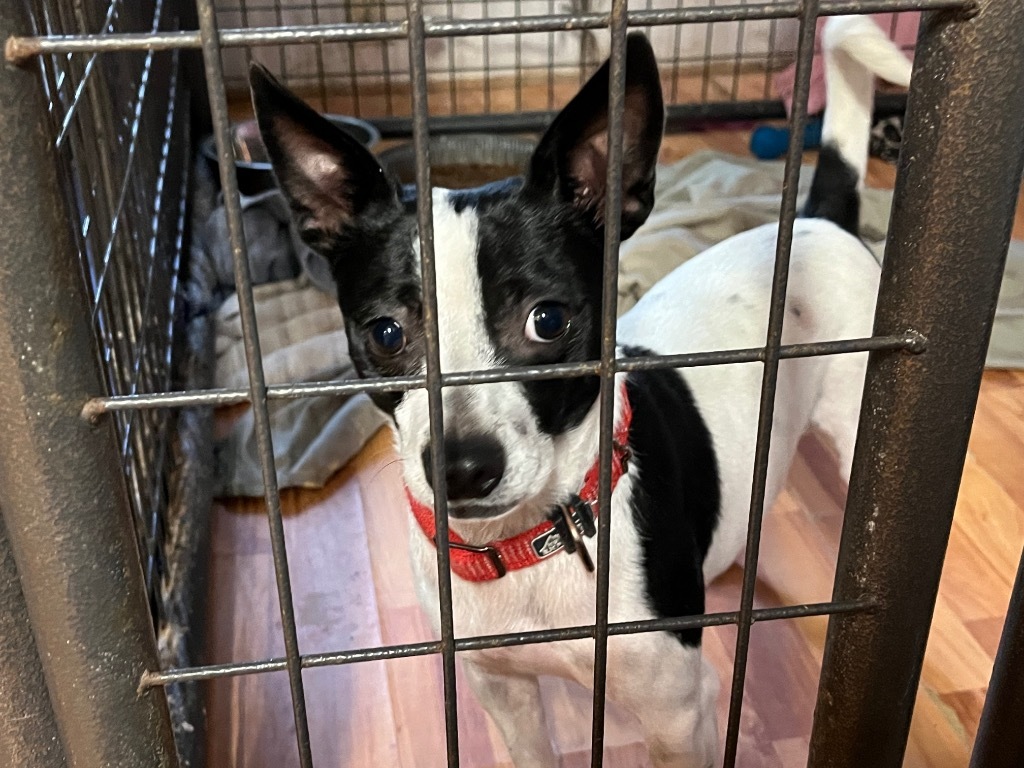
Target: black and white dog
(519,283)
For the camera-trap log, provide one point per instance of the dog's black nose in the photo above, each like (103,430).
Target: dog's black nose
(473,466)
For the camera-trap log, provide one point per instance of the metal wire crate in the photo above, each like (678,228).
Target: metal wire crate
(514,82)
(127,199)
(539,71)
(85,395)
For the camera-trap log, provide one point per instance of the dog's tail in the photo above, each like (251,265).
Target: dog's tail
(856,51)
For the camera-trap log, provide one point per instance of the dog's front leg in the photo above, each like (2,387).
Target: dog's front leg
(672,689)
(513,702)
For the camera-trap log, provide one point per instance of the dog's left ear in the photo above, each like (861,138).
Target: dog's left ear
(328,177)
(571,160)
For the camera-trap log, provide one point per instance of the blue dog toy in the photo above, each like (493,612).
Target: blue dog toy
(769,143)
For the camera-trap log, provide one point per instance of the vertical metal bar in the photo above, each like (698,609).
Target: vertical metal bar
(959,176)
(709,38)
(353,78)
(254,364)
(770,374)
(321,76)
(769,69)
(450,43)
(486,7)
(609,316)
(738,61)
(1000,741)
(518,66)
(551,63)
(677,44)
(28,731)
(281,51)
(385,55)
(425,222)
(62,497)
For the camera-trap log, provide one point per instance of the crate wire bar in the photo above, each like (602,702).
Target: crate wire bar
(425,225)
(770,376)
(609,315)
(254,364)
(918,332)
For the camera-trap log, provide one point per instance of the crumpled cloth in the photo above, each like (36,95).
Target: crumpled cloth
(710,196)
(302,339)
(275,250)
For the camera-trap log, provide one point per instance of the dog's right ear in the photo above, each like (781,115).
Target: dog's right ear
(328,177)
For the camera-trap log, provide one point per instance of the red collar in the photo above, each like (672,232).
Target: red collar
(564,529)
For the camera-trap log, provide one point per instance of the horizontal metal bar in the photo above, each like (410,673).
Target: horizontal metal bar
(19,49)
(310,661)
(679,117)
(802,611)
(911,341)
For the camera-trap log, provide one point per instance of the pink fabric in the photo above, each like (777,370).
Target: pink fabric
(902,28)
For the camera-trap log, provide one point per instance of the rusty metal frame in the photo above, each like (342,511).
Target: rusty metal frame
(1000,740)
(953,208)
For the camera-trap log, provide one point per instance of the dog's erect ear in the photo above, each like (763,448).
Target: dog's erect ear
(572,158)
(328,177)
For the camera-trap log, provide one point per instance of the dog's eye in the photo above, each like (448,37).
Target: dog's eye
(547,322)
(387,336)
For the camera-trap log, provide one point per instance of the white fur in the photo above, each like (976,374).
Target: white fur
(717,300)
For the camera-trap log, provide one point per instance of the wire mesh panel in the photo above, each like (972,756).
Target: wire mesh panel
(120,126)
(409,44)
(118,129)
(500,74)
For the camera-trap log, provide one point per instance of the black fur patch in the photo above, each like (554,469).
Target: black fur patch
(834,194)
(531,251)
(374,267)
(676,496)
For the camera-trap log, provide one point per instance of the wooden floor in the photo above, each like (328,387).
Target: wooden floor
(352,588)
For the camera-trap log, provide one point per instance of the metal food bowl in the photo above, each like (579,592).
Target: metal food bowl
(463,162)
(251,162)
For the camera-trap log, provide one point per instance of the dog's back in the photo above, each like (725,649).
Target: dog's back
(720,300)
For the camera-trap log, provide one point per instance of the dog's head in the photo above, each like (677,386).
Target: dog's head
(518,269)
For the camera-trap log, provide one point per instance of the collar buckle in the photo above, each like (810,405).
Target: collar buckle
(493,555)
(572,521)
